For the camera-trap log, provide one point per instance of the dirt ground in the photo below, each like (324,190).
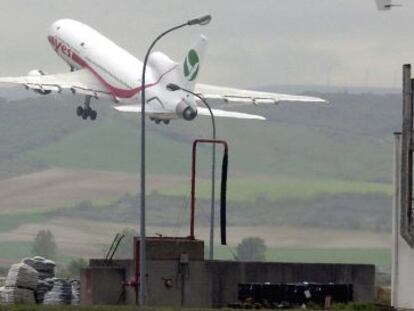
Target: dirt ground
(54,188)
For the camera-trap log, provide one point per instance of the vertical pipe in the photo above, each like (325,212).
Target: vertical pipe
(406,159)
(193,177)
(223,197)
(395,220)
(213,189)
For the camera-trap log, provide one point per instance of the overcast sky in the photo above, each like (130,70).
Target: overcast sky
(251,43)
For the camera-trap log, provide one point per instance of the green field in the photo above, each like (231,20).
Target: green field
(12,221)
(284,189)
(350,140)
(15,250)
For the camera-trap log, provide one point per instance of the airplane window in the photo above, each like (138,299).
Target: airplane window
(82,44)
(58,27)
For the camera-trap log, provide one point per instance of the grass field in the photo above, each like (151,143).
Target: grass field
(13,221)
(112,145)
(13,250)
(349,141)
(283,189)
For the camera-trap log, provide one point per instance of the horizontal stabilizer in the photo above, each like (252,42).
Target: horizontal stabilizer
(228,114)
(137,109)
(200,111)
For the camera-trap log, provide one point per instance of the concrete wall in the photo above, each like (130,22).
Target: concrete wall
(98,280)
(215,283)
(403,285)
(402,277)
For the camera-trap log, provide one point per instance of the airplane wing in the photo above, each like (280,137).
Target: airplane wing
(226,95)
(81,81)
(137,108)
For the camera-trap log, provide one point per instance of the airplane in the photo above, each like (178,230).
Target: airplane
(100,69)
(385,5)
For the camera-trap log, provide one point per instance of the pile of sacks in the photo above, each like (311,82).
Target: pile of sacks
(20,285)
(33,281)
(60,294)
(46,270)
(75,292)
(45,267)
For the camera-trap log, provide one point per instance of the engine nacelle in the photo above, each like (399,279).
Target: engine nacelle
(186,111)
(38,72)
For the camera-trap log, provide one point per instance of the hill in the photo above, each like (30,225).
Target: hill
(307,166)
(349,139)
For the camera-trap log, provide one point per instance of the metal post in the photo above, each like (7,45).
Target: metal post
(395,218)
(142,255)
(203,20)
(213,193)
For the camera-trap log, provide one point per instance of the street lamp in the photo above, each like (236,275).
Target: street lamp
(203,20)
(175,87)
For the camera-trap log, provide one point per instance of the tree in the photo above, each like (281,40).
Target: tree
(44,245)
(251,249)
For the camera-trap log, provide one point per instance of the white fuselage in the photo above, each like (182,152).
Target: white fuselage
(120,72)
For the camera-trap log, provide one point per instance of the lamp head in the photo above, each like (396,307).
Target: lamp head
(202,20)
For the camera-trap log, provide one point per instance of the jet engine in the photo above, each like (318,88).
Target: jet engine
(38,72)
(186,111)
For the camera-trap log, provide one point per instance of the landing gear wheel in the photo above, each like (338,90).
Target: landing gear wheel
(79,111)
(86,113)
(166,122)
(157,121)
(93,114)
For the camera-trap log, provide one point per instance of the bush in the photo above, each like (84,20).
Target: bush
(251,249)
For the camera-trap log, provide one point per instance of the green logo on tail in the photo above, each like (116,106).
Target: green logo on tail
(191,65)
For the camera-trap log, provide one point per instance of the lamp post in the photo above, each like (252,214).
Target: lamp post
(203,20)
(174,87)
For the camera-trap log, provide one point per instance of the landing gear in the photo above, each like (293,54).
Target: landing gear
(93,114)
(79,111)
(86,111)
(158,121)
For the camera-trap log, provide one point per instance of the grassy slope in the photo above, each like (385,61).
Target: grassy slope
(301,152)
(352,140)
(284,189)
(304,150)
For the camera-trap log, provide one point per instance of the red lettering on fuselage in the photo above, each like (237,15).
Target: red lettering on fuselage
(60,47)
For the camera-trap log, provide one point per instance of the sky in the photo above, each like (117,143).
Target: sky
(251,43)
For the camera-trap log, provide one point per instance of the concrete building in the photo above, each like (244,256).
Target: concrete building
(178,275)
